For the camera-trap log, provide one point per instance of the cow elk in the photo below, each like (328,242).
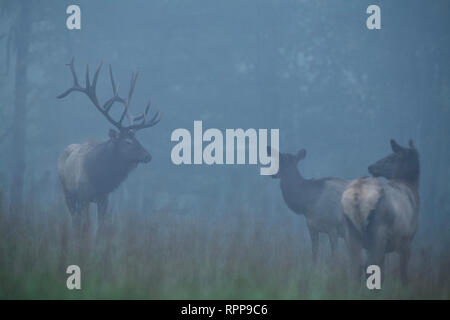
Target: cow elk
(90,171)
(382,214)
(317,199)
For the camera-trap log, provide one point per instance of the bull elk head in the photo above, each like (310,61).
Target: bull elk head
(103,166)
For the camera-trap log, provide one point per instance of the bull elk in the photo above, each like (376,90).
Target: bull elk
(382,214)
(90,171)
(317,199)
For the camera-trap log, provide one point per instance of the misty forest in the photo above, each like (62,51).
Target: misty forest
(341,95)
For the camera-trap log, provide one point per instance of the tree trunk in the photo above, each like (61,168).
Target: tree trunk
(22,39)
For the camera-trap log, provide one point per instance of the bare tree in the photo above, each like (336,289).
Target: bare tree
(20,35)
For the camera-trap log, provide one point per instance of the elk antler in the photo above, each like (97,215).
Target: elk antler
(90,91)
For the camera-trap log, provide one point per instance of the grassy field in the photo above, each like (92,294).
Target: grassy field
(171,254)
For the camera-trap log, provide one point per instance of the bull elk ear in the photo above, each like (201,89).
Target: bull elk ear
(411,144)
(112,134)
(301,154)
(395,146)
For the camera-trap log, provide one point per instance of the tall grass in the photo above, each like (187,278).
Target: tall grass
(169,253)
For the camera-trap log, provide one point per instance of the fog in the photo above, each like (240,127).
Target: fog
(311,69)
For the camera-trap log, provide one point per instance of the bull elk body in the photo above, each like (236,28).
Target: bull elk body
(317,199)
(90,171)
(381,214)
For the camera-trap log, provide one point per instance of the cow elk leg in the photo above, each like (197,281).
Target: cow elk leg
(333,237)
(377,250)
(314,244)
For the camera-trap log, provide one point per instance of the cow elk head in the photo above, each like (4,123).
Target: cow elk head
(288,162)
(402,164)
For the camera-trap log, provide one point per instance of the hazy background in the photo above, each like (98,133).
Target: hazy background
(310,68)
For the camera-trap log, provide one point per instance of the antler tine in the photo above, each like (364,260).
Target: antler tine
(126,112)
(88,84)
(108,104)
(76,86)
(116,97)
(132,85)
(90,91)
(144,124)
(72,69)
(126,103)
(115,89)
(143,115)
(147,107)
(156,118)
(94,81)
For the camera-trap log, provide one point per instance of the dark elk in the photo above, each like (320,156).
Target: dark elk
(317,199)
(382,214)
(90,171)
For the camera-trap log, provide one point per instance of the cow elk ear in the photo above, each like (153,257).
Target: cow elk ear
(301,155)
(269,151)
(395,146)
(112,134)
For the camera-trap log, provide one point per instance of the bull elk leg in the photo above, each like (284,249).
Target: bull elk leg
(102,207)
(404,255)
(71,203)
(78,211)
